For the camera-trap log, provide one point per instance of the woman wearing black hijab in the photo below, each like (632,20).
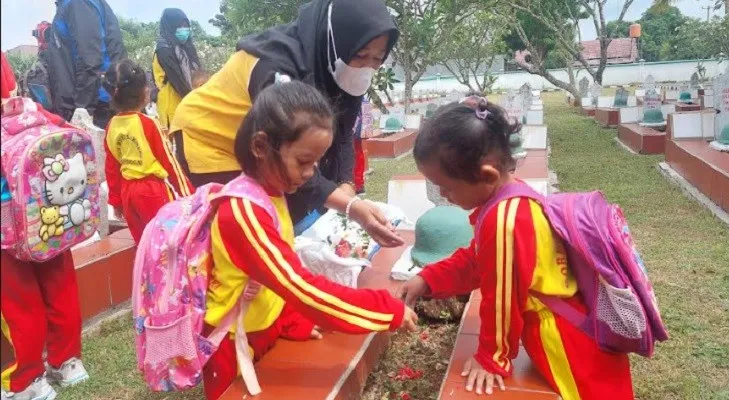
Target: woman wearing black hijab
(175,61)
(334,45)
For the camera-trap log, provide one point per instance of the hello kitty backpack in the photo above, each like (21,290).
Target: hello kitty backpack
(170,283)
(51,186)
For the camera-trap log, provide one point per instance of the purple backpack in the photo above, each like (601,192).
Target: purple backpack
(622,314)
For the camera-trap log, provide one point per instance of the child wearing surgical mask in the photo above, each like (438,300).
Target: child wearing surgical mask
(175,63)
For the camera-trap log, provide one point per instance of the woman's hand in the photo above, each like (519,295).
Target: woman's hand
(374,222)
(412,290)
(477,375)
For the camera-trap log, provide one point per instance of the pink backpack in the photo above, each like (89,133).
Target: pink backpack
(622,313)
(171,271)
(52,198)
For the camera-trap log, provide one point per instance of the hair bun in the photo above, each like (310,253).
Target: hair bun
(482,104)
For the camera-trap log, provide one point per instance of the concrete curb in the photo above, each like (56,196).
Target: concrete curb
(625,146)
(93,325)
(691,190)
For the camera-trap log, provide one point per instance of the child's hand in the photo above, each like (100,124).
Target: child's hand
(316,333)
(412,290)
(476,374)
(118,214)
(409,320)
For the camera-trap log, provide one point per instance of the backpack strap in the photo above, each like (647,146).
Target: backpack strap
(521,189)
(509,191)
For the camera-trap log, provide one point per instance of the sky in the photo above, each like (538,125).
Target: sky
(19,17)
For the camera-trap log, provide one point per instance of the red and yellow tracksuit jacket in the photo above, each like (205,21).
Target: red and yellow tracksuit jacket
(141,170)
(516,255)
(247,245)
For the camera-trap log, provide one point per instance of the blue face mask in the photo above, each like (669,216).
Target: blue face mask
(182,34)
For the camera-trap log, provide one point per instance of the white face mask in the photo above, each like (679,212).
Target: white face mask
(354,81)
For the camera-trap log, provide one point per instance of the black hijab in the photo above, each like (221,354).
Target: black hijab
(173,18)
(301,45)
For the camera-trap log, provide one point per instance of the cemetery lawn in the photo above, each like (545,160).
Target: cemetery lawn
(685,248)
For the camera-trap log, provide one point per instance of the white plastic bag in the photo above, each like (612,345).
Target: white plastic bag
(314,246)
(320,259)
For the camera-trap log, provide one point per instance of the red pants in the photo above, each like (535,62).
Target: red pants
(222,368)
(141,200)
(359,165)
(40,309)
(572,362)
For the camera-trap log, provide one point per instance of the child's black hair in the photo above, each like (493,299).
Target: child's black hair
(459,139)
(283,112)
(126,83)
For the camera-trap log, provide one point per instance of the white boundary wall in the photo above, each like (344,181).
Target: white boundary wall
(621,74)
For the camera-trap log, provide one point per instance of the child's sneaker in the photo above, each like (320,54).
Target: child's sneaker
(70,373)
(38,390)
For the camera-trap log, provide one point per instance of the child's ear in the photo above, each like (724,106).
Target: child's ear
(259,145)
(489,174)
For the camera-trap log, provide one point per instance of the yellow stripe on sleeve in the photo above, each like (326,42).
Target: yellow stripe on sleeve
(333,300)
(184,190)
(260,237)
(501,211)
(508,278)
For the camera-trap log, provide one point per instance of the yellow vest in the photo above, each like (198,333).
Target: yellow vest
(167,99)
(209,116)
(228,281)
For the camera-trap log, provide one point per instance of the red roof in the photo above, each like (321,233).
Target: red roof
(620,51)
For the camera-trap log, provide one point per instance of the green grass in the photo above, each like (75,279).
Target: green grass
(685,248)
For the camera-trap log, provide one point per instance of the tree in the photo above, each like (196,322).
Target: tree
(618,29)
(471,54)
(659,28)
(661,5)
(140,39)
(384,82)
(20,63)
(538,23)
(426,26)
(690,40)
(238,18)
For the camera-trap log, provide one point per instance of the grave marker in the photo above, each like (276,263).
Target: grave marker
(721,103)
(649,83)
(525,94)
(695,81)
(595,92)
(621,98)
(584,87)
(513,105)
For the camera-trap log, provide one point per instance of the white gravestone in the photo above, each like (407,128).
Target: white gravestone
(721,102)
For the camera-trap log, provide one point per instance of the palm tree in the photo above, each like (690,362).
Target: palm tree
(663,4)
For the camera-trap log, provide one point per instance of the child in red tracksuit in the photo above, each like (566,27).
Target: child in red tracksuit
(287,131)
(465,150)
(141,170)
(39,309)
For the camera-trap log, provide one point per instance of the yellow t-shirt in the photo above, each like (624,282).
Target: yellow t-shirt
(209,116)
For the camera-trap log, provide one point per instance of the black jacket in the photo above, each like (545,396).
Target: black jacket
(299,49)
(91,40)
